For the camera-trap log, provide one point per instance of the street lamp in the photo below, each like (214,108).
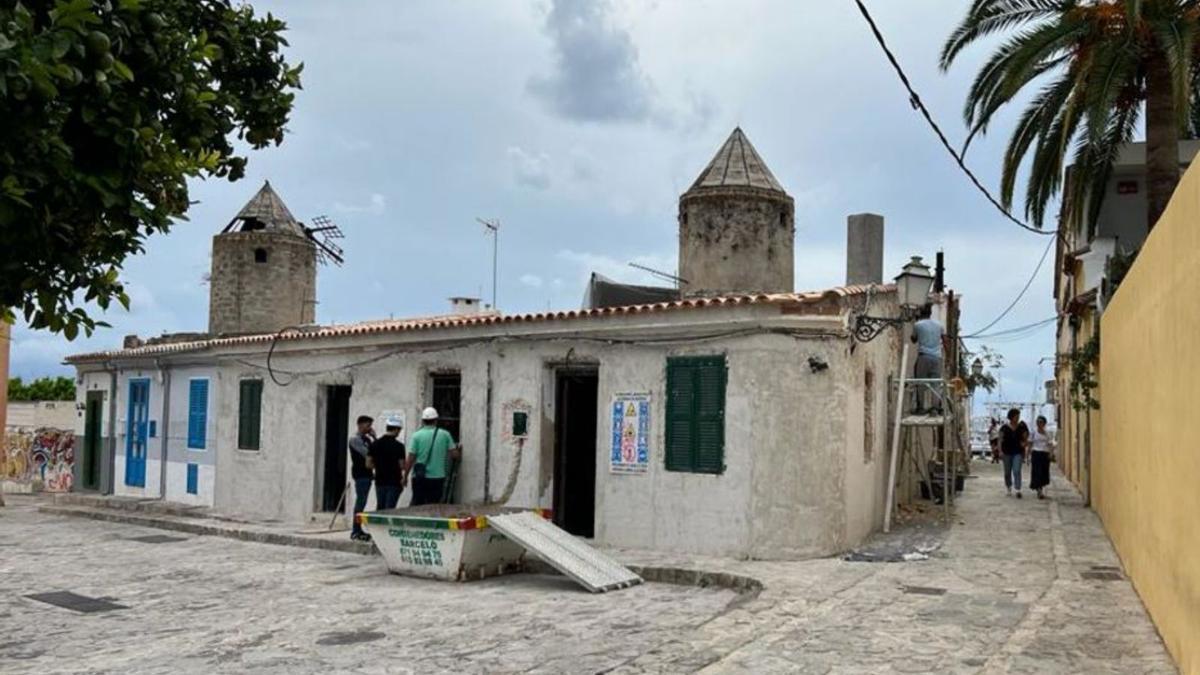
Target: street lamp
(913,285)
(977,368)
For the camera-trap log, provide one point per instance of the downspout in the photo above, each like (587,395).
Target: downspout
(487,441)
(112,429)
(163,430)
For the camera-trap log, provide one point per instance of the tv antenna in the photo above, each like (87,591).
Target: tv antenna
(492,227)
(660,274)
(322,234)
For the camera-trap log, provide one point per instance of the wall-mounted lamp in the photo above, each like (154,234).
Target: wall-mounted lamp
(913,285)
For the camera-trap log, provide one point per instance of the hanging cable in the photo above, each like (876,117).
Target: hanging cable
(1018,332)
(1032,277)
(915,100)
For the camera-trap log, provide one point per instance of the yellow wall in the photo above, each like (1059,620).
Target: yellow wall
(1146,461)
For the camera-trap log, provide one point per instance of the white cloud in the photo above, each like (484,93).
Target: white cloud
(531,280)
(529,169)
(375,206)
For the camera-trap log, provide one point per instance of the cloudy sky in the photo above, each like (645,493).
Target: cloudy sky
(577,123)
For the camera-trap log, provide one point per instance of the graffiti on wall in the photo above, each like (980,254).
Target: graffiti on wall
(44,457)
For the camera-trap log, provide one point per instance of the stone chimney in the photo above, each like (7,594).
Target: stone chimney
(463,306)
(864,249)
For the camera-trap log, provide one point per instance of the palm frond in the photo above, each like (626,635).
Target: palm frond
(987,17)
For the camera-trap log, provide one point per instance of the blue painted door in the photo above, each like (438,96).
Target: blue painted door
(136,432)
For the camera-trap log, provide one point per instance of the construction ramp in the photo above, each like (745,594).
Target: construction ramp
(588,567)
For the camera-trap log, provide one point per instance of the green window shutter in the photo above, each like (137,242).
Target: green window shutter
(695,424)
(249,414)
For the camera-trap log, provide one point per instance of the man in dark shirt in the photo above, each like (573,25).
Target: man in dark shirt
(359,444)
(1014,438)
(386,457)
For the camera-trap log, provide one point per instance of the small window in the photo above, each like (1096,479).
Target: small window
(695,426)
(193,479)
(249,414)
(197,414)
(260,255)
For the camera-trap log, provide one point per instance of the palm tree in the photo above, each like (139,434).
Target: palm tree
(1097,61)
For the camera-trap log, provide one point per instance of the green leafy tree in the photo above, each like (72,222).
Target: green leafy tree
(42,389)
(1097,62)
(108,107)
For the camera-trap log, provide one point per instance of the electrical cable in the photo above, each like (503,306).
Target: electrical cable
(1011,305)
(1017,332)
(915,101)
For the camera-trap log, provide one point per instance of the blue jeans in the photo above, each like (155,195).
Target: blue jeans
(387,496)
(1012,471)
(362,488)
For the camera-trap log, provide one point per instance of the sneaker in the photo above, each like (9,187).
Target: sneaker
(1018,494)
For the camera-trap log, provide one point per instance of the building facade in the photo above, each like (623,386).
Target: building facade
(765,424)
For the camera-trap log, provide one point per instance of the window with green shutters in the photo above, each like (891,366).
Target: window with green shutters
(249,414)
(695,426)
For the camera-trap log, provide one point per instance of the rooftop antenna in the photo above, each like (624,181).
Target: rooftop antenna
(660,274)
(322,234)
(493,228)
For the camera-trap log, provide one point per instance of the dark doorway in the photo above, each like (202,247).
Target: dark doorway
(337,433)
(93,441)
(445,394)
(575,401)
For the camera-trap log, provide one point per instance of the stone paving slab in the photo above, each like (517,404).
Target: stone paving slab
(1003,593)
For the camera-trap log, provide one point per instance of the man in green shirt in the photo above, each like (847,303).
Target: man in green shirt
(429,453)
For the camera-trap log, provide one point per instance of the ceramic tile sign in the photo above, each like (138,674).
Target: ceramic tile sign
(630,433)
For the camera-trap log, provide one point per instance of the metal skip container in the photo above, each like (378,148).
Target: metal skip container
(444,541)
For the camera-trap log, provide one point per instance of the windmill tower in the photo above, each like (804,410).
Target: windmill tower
(264,268)
(736,226)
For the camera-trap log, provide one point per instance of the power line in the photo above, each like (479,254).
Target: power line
(1041,261)
(1020,332)
(915,100)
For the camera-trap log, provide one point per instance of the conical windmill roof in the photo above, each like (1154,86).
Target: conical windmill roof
(265,211)
(737,165)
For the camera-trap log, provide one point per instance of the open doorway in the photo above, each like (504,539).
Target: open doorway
(575,401)
(445,394)
(337,432)
(89,475)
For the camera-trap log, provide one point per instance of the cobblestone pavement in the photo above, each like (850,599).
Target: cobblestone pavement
(1002,594)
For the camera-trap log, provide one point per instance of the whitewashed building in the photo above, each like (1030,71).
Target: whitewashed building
(748,423)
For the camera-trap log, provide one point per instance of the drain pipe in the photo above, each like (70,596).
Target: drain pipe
(112,430)
(487,441)
(163,430)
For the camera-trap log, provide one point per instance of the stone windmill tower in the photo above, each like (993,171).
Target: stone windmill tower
(736,226)
(264,270)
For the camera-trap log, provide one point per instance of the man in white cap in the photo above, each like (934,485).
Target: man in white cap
(387,458)
(428,456)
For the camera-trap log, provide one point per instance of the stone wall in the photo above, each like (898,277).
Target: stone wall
(736,240)
(251,295)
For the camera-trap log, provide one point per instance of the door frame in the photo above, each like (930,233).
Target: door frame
(93,441)
(559,457)
(137,435)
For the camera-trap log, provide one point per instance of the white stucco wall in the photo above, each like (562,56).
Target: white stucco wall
(796,482)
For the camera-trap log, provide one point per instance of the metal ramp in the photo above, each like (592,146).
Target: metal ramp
(588,567)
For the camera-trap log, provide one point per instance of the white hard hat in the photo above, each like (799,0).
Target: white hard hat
(393,422)
(429,414)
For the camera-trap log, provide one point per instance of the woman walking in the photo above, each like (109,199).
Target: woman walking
(1039,458)
(1014,437)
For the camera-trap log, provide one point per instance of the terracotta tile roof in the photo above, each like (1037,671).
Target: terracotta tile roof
(791,302)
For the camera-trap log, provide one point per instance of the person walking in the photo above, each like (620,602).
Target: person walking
(360,473)
(1014,439)
(387,458)
(1040,447)
(929,336)
(429,452)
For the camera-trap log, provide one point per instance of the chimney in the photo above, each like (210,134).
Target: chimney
(463,306)
(864,249)
(132,342)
